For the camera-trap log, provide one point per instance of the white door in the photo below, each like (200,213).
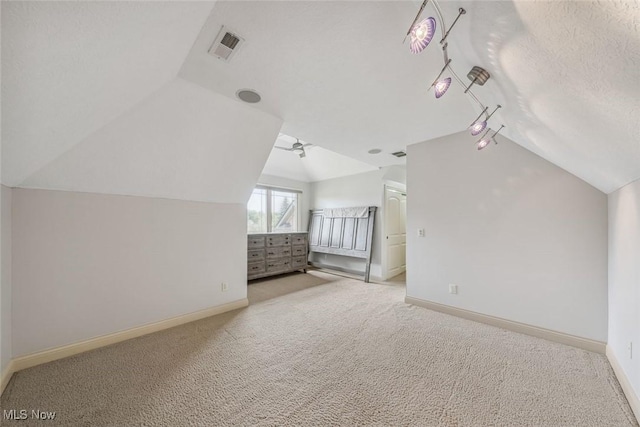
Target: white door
(395,209)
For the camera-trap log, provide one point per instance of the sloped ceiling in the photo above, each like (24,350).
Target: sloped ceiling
(181,143)
(92,103)
(82,74)
(317,165)
(336,72)
(566,73)
(69,68)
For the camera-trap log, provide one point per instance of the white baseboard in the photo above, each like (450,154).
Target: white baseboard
(523,328)
(49,355)
(6,376)
(628,390)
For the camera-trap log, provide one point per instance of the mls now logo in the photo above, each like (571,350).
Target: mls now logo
(23,414)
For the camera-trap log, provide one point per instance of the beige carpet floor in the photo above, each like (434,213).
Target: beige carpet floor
(317,349)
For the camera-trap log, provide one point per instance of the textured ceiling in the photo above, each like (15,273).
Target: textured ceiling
(69,68)
(318,164)
(566,73)
(336,72)
(568,76)
(82,79)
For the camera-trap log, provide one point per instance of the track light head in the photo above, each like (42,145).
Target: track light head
(421,34)
(477,127)
(441,86)
(483,143)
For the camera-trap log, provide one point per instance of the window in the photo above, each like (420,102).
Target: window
(272,209)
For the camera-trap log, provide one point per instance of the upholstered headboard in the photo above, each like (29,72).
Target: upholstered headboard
(343,231)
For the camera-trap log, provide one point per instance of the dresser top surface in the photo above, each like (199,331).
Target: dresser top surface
(277,233)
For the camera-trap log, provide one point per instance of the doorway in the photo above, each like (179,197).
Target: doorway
(394,245)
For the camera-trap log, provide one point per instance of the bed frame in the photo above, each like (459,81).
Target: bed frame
(350,237)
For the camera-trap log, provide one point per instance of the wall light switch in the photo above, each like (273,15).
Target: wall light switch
(224,287)
(420,232)
(453,289)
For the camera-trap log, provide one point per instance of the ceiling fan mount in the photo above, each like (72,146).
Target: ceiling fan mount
(297,147)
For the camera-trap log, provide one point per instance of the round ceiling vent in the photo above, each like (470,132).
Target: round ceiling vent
(248,95)
(375,151)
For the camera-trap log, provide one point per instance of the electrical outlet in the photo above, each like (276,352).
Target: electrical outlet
(420,232)
(630,347)
(453,289)
(224,287)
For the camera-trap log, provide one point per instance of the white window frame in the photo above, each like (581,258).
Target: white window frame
(270,189)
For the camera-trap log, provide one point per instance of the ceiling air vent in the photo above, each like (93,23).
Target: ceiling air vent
(226,44)
(399,154)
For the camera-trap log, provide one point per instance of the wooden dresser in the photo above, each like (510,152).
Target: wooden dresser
(276,253)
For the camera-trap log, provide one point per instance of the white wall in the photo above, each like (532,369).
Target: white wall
(523,239)
(5,288)
(364,189)
(624,279)
(86,265)
(291,184)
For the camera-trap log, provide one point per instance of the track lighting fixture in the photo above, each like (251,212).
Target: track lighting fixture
(421,35)
(485,140)
(461,12)
(441,85)
(421,32)
(477,75)
(479,125)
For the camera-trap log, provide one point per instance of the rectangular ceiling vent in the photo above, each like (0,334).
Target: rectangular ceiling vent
(226,44)
(399,154)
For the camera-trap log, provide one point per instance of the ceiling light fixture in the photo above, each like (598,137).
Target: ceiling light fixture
(484,141)
(441,85)
(421,34)
(461,12)
(479,125)
(477,75)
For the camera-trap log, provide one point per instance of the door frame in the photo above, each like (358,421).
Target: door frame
(384,256)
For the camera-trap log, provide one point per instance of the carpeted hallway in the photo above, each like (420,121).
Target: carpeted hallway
(318,349)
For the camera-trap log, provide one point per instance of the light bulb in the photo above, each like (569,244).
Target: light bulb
(483,143)
(421,34)
(477,127)
(441,86)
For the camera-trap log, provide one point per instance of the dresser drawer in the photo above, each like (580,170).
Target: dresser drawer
(298,250)
(278,264)
(255,242)
(299,239)
(281,240)
(284,251)
(255,267)
(299,261)
(255,255)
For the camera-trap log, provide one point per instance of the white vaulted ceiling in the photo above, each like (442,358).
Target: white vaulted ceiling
(91,101)
(318,164)
(568,76)
(181,143)
(69,68)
